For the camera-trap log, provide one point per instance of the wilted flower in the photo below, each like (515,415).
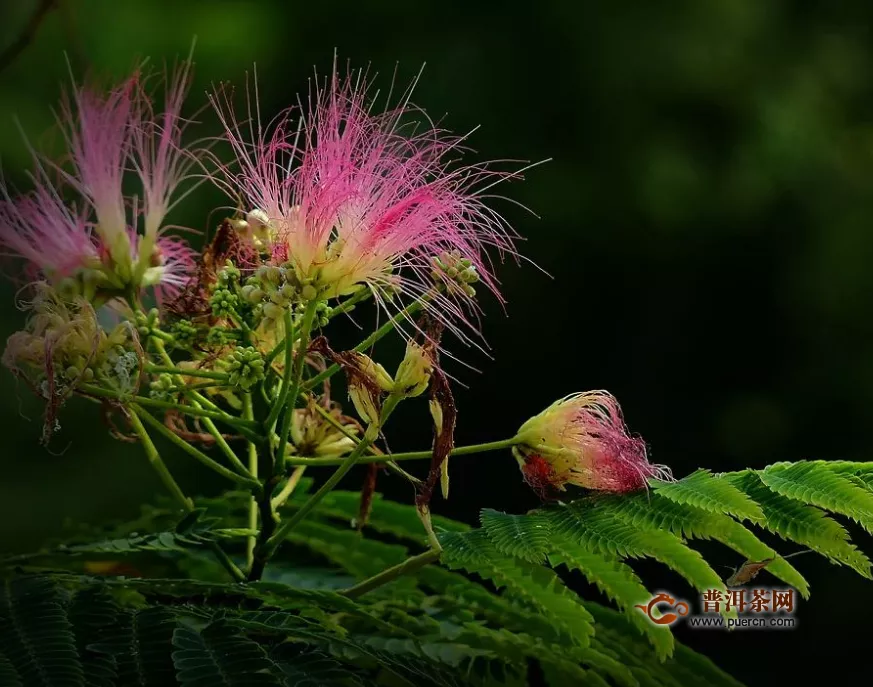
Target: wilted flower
(582,440)
(351,199)
(64,346)
(92,244)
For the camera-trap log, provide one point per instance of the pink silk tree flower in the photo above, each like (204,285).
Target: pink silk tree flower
(83,230)
(353,199)
(582,440)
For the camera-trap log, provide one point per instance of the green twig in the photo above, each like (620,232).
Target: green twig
(297,377)
(194,372)
(196,453)
(287,372)
(248,413)
(412,455)
(347,464)
(187,505)
(409,565)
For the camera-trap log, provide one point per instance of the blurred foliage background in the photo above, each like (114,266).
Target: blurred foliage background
(706,222)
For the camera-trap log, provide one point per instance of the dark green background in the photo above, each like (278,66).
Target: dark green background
(706,221)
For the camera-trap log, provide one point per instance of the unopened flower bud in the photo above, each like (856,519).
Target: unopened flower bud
(257,219)
(365,402)
(375,372)
(252,294)
(414,371)
(582,440)
(246,367)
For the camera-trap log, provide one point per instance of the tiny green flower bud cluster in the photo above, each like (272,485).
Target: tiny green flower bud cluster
(246,367)
(184,333)
(223,302)
(458,271)
(221,336)
(164,388)
(147,324)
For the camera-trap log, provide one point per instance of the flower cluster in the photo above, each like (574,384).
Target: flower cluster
(83,234)
(342,204)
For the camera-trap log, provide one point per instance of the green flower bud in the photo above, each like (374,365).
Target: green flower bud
(414,371)
(246,367)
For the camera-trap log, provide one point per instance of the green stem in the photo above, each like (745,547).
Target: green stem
(406,313)
(187,505)
(248,413)
(390,464)
(158,464)
(280,498)
(347,464)
(282,398)
(350,303)
(291,400)
(228,451)
(173,370)
(409,565)
(168,405)
(195,453)
(411,455)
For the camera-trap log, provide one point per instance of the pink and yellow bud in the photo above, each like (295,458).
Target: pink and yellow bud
(582,440)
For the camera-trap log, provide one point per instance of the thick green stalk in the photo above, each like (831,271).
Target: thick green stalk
(167,405)
(409,565)
(297,378)
(347,464)
(406,313)
(247,482)
(158,464)
(280,498)
(412,455)
(288,371)
(187,505)
(248,413)
(173,370)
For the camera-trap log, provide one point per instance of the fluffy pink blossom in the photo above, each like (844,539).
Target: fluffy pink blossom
(96,235)
(52,238)
(355,199)
(582,440)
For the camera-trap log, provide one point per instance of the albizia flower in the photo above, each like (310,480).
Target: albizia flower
(582,440)
(353,199)
(82,232)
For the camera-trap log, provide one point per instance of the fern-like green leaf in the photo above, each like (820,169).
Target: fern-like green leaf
(523,536)
(705,491)
(36,636)
(219,656)
(312,668)
(691,521)
(532,584)
(598,524)
(8,675)
(140,647)
(685,669)
(93,612)
(814,483)
(615,579)
(803,524)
